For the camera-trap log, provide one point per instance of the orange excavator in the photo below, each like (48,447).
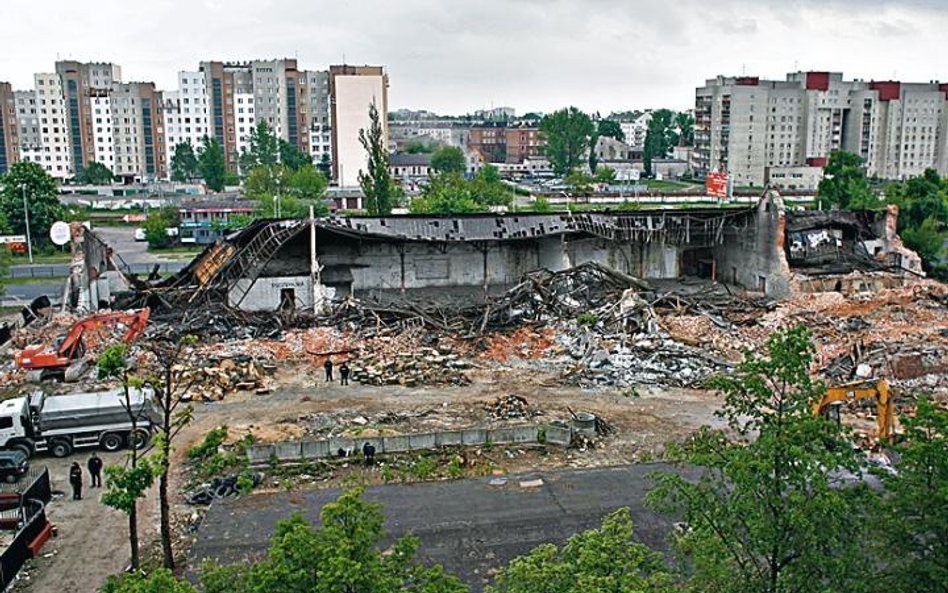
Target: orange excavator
(885,408)
(62,359)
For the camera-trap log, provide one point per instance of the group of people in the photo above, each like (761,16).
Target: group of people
(94,466)
(343,371)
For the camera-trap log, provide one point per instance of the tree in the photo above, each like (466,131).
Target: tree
(660,137)
(566,134)
(292,191)
(171,377)
(377,185)
(156,227)
(448,159)
(605,174)
(605,559)
(159,581)
(95,173)
(915,506)
(844,182)
(420,147)
(263,149)
(126,485)
(342,554)
(923,217)
(211,163)
(451,193)
(685,122)
(42,198)
(184,165)
(579,183)
(306,183)
(325,166)
(772,510)
(610,128)
(292,157)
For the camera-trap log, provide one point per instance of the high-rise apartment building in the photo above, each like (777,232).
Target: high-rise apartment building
(82,82)
(9,130)
(745,126)
(352,90)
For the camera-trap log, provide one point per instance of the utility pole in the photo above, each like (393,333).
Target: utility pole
(26,218)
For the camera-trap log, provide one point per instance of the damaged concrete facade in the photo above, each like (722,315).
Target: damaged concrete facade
(300,264)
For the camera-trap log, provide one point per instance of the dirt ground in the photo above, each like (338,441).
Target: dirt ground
(92,539)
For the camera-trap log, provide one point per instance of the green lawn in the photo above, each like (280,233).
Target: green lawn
(662,184)
(56,258)
(30,280)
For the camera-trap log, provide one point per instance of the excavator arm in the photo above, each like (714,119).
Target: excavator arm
(885,408)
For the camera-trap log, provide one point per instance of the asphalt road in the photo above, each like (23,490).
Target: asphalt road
(468,526)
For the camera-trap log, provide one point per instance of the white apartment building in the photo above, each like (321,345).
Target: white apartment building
(319,115)
(636,130)
(747,127)
(54,131)
(185,113)
(353,90)
(245,119)
(103,140)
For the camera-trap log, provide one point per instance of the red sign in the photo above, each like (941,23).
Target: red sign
(716,185)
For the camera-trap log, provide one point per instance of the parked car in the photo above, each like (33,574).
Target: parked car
(139,234)
(13,465)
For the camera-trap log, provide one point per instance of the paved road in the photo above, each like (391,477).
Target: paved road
(15,295)
(468,526)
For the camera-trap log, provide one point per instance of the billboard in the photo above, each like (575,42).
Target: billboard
(716,184)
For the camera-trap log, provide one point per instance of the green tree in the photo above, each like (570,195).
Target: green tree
(448,193)
(489,189)
(923,217)
(171,375)
(379,190)
(95,173)
(685,123)
(660,137)
(281,192)
(159,581)
(579,183)
(125,485)
(184,165)
(771,511)
(448,159)
(420,147)
(844,182)
(156,227)
(211,163)
(610,128)
(342,554)
(263,149)
(567,134)
(915,508)
(42,198)
(325,166)
(605,559)
(292,157)
(307,183)
(605,174)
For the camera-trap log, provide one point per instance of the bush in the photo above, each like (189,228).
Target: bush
(212,441)
(587,318)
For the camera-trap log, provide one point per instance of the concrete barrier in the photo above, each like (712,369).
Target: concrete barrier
(257,454)
(470,437)
(289,451)
(450,438)
(316,449)
(558,435)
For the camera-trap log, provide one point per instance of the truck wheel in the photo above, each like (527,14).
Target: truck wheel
(9,478)
(24,447)
(60,448)
(139,438)
(111,441)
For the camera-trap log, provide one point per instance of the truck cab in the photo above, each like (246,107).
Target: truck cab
(16,425)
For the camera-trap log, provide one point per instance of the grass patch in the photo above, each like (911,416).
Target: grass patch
(32,280)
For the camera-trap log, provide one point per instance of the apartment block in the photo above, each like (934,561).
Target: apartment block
(352,90)
(80,83)
(138,131)
(747,126)
(9,131)
(510,143)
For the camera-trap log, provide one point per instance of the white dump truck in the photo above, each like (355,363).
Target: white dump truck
(61,423)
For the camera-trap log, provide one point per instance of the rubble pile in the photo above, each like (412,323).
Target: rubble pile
(403,360)
(506,407)
(220,377)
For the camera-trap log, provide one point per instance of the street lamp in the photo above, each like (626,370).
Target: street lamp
(26,218)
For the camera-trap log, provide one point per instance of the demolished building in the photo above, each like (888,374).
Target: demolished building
(304,264)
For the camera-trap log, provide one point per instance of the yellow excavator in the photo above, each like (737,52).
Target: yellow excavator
(885,408)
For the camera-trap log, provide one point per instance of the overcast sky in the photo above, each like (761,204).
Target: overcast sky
(455,56)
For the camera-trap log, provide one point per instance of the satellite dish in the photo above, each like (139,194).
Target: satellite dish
(59,233)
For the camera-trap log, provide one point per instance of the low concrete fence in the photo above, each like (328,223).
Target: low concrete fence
(323,448)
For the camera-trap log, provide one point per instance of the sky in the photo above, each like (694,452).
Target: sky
(457,56)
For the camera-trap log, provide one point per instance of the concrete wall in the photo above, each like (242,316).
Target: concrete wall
(325,448)
(264,294)
(754,256)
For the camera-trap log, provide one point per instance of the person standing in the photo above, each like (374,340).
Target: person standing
(344,373)
(328,366)
(75,480)
(95,470)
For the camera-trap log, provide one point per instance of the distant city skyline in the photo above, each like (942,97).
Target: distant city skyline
(453,59)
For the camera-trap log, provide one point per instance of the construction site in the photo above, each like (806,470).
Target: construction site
(488,346)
